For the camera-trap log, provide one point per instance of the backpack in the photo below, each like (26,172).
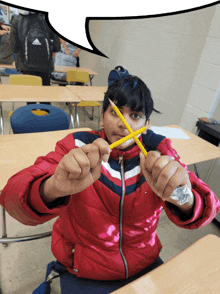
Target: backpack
(116,73)
(35,44)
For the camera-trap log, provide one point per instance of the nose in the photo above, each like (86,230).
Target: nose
(121,124)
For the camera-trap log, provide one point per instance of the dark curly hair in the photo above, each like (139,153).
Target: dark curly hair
(132,92)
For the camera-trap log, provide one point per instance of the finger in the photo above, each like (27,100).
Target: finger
(152,156)
(180,178)
(165,180)
(75,164)
(147,174)
(93,154)
(159,164)
(103,149)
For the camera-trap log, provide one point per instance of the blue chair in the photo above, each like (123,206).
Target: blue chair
(23,120)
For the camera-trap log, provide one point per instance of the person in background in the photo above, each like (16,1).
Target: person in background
(6,54)
(25,21)
(68,49)
(43,71)
(68,56)
(4,28)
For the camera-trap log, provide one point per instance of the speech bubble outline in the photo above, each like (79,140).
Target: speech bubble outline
(93,49)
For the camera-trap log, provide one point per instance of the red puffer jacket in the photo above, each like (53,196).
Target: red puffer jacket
(108,231)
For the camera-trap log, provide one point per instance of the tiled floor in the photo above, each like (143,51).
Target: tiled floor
(23,265)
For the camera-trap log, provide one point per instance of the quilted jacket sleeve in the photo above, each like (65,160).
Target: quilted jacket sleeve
(207,205)
(21,197)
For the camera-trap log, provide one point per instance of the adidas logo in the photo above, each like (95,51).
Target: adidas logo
(36,42)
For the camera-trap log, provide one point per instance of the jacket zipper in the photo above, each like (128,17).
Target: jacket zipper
(121,216)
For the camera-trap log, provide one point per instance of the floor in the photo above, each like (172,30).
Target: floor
(23,265)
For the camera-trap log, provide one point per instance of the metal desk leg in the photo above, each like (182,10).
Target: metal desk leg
(71,114)
(4,232)
(76,115)
(197,170)
(211,168)
(1,118)
(5,240)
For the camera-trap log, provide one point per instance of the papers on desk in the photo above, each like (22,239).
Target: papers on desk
(171,133)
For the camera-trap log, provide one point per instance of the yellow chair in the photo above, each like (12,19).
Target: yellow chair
(26,80)
(78,76)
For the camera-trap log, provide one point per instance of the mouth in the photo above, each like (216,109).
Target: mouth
(119,136)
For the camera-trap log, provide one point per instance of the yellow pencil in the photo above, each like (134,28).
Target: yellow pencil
(119,142)
(115,108)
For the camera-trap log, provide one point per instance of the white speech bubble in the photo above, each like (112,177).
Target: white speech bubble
(70,18)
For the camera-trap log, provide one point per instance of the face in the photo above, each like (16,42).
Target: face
(116,130)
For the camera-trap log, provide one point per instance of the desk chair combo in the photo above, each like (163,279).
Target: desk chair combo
(24,80)
(35,117)
(74,76)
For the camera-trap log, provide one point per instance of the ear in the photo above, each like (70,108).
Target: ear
(102,119)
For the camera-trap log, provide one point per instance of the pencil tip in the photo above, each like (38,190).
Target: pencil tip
(112,104)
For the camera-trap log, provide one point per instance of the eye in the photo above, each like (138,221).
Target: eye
(113,112)
(136,115)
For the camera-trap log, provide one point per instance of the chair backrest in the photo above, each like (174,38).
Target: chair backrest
(26,80)
(77,76)
(23,120)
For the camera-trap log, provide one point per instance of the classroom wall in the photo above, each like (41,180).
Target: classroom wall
(167,53)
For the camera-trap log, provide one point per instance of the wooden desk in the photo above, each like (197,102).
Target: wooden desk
(88,93)
(58,68)
(195,270)
(64,68)
(195,150)
(13,158)
(17,93)
(11,66)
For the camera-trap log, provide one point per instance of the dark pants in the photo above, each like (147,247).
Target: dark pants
(45,80)
(71,284)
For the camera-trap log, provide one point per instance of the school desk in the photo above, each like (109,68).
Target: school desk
(195,270)
(14,158)
(88,93)
(57,68)
(64,68)
(17,93)
(194,150)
